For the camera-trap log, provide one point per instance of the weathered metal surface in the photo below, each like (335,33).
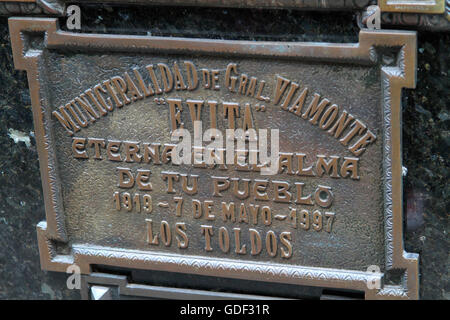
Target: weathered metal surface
(308,224)
(57,7)
(417,6)
(432,22)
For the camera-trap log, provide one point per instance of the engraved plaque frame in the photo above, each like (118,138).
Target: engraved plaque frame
(30,35)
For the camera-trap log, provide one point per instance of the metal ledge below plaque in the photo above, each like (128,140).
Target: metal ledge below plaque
(417,6)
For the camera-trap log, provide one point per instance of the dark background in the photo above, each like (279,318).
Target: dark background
(426,135)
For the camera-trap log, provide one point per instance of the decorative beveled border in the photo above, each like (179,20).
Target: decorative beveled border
(414,6)
(393,79)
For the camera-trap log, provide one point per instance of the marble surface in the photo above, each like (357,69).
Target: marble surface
(21,202)
(426,137)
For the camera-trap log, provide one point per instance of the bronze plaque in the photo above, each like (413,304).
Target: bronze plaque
(329,215)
